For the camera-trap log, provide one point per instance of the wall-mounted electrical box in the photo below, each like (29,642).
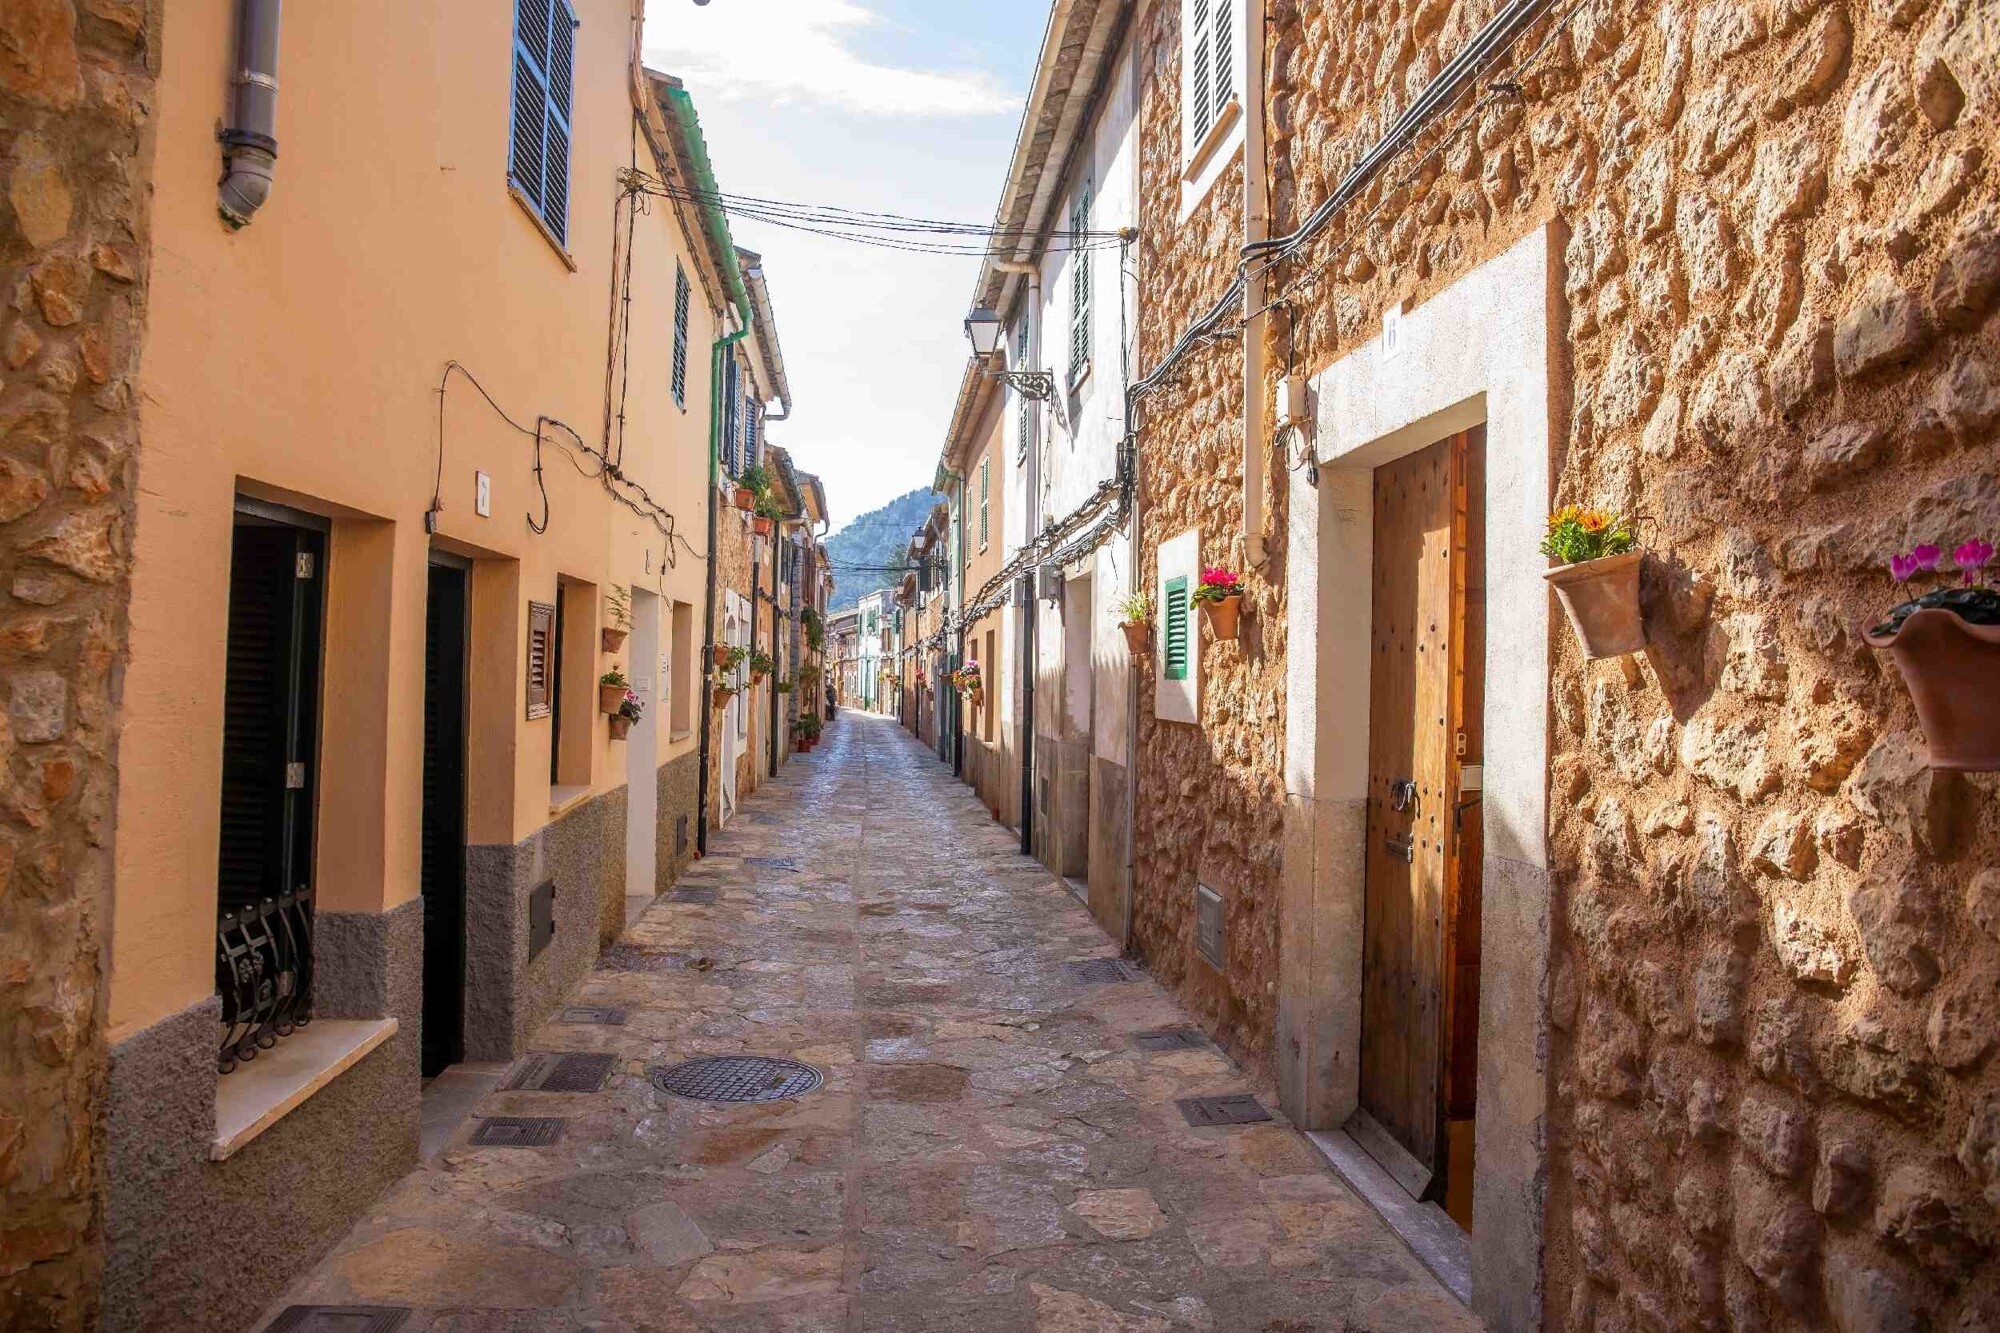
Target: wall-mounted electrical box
(1208,925)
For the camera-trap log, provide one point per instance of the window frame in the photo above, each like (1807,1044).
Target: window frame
(1177,616)
(1081,304)
(1210,142)
(683,297)
(536,196)
(985,501)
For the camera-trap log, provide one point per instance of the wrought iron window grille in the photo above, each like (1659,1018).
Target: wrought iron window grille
(263,971)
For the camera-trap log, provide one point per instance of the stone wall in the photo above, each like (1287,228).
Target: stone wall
(75,87)
(1774,926)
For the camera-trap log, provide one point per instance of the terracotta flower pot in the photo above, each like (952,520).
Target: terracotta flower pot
(719,655)
(613,639)
(1138,637)
(762,525)
(610,698)
(1952,669)
(1601,599)
(721,698)
(978,696)
(621,726)
(745,498)
(757,675)
(1222,616)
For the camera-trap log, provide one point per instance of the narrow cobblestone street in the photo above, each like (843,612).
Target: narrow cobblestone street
(990,1151)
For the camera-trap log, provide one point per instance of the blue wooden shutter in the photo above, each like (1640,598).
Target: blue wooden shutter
(539,136)
(1177,628)
(681,295)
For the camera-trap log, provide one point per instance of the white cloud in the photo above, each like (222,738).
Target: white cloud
(794,52)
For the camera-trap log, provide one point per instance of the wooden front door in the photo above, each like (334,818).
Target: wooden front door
(1420,932)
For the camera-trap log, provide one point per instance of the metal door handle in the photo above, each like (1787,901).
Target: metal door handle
(1403,794)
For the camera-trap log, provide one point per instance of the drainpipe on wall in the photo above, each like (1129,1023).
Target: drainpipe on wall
(250,140)
(716,356)
(1256,227)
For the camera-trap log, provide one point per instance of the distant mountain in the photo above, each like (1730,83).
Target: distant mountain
(867,552)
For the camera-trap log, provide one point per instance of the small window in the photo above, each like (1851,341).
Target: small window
(1208,31)
(539,137)
(1079,285)
(984,508)
(541,656)
(1026,407)
(1177,628)
(681,295)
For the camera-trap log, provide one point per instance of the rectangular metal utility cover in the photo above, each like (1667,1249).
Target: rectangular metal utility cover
(541,916)
(594,1015)
(772,862)
(1101,971)
(1236,1108)
(552,1071)
(514,1131)
(701,895)
(1208,925)
(1170,1039)
(340,1319)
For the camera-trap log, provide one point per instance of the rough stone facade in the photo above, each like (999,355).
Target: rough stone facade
(1777,949)
(75,87)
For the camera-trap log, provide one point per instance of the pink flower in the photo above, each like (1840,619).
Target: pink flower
(1926,558)
(1971,556)
(1217,577)
(1902,566)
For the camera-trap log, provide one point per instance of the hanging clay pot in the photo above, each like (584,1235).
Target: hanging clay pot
(719,655)
(612,639)
(1952,669)
(762,525)
(610,698)
(1138,637)
(721,698)
(1601,599)
(745,498)
(1222,617)
(621,726)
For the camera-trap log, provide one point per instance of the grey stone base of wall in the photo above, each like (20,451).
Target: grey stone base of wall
(507,995)
(680,784)
(196,1246)
(1107,845)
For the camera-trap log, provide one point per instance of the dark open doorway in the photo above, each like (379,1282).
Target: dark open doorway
(445,634)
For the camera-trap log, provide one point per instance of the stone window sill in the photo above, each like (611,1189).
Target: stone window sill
(564,799)
(261,1092)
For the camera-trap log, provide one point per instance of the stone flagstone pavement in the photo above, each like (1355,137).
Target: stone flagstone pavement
(990,1150)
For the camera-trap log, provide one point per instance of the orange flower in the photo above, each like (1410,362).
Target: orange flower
(1594,520)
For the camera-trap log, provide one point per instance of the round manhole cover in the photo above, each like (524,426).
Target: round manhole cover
(737,1078)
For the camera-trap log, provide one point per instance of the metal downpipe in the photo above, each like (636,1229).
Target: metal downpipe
(250,140)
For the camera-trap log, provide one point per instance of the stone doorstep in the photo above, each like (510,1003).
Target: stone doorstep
(259,1093)
(1426,1228)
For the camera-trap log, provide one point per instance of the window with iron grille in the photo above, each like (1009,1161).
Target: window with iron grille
(1079,285)
(539,137)
(1176,611)
(681,295)
(1208,48)
(984,465)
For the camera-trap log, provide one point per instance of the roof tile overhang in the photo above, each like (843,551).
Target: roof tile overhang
(975,390)
(673,131)
(1078,51)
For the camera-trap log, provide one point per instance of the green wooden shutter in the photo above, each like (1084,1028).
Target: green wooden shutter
(682,293)
(1177,628)
(983,509)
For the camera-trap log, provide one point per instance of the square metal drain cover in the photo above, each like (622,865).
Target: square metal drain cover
(1101,971)
(1236,1108)
(1170,1039)
(551,1071)
(596,1015)
(703,895)
(339,1319)
(515,1131)
(773,862)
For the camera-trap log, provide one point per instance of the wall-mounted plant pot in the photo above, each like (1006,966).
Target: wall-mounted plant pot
(1952,669)
(1223,617)
(610,698)
(977,695)
(745,499)
(761,525)
(621,726)
(721,698)
(612,639)
(757,677)
(1138,637)
(719,655)
(1601,599)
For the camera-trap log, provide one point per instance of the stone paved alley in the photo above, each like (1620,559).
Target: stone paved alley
(990,1150)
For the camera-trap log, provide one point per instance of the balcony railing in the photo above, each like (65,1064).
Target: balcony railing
(263,970)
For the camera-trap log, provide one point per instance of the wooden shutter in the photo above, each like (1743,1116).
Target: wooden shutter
(1200,55)
(681,295)
(1079,285)
(1177,628)
(1224,59)
(541,656)
(539,132)
(985,464)
(1027,406)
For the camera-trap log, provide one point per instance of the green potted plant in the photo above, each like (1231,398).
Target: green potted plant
(784,686)
(1219,594)
(766,515)
(751,482)
(761,664)
(629,711)
(1946,644)
(721,692)
(815,628)
(1596,579)
(618,614)
(612,688)
(1136,619)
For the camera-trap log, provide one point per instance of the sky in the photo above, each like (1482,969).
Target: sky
(904,106)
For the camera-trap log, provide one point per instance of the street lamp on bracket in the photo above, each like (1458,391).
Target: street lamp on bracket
(982,328)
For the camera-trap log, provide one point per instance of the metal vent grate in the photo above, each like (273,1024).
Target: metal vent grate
(737,1078)
(1102,971)
(595,1014)
(551,1071)
(704,896)
(339,1319)
(1170,1039)
(515,1131)
(1236,1108)
(773,862)
(1208,925)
